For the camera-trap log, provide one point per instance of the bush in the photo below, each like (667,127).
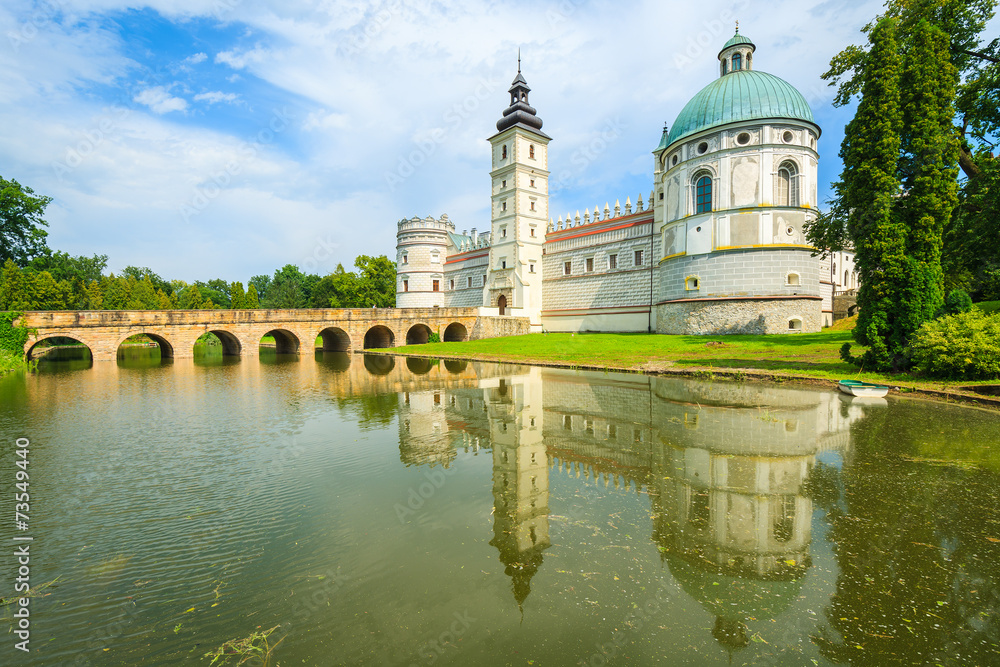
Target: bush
(962,346)
(12,339)
(433,338)
(957,301)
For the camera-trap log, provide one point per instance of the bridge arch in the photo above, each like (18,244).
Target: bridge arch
(419,365)
(33,351)
(335,339)
(455,366)
(418,334)
(379,336)
(231,345)
(379,364)
(456,332)
(166,347)
(285,342)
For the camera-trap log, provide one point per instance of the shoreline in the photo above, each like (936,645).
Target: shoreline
(731,374)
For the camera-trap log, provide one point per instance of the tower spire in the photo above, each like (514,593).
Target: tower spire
(519,56)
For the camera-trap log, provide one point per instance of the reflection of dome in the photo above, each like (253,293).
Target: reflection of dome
(738,97)
(733,598)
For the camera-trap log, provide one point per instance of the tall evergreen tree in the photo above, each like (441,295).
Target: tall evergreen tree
(866,193)
(253,301)
(929,168)
(238,297)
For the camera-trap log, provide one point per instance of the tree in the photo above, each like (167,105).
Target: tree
(866,192)
(62,266)
(285,290)
(955,27)
(95,297)
(191,298)
(252,301)
(11,285)
(260,284)
(929,168)
(238,298)
(115,292)
(376,281)
(337,290)
(21,235)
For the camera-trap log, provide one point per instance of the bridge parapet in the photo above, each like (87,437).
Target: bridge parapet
(241,331)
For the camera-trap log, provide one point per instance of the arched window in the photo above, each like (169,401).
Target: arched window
(737,62)
(503,153)
(847,278)
(531,152)
(786,188)
(749,60)
(703,194)
(725,66)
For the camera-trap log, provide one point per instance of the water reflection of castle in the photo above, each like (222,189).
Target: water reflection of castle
(726,467)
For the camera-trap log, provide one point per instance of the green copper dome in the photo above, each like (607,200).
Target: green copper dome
(737,97)
(737,39)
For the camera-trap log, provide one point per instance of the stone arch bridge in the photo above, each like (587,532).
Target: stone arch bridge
(241,331)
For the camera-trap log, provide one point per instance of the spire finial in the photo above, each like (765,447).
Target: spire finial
(519,58)
(737,27)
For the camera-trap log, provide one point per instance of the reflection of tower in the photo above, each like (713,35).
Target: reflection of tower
(732,515)
(424,436)
(520,481)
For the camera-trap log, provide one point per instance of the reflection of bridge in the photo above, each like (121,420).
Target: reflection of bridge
(241,331)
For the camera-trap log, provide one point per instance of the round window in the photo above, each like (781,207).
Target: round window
(702,147)
(743,138)
(673,161)
(698,229)
(790,231)
(788,137)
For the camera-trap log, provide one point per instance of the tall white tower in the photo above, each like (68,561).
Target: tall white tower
(520,209)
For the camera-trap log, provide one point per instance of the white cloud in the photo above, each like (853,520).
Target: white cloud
(369,83)
(215,96)
(240,59)
(322,120)
(160,101)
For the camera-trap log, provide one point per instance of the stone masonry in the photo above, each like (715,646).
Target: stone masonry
(348,330)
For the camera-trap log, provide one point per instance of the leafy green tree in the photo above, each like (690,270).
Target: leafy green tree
(252,300)
(376,281)
(11,286)
(260,284)
(44,292)
(163,301)
(217,290)
(285,290)
(337,290)
(143,294)
(95,297)
(116,292)
(63,266)
(191,298)
(141,273)
(238,297)
(21,235)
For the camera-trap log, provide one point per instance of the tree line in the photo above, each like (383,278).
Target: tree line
(919,195)
(34,277)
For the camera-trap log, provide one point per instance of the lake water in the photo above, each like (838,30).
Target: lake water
(392,511)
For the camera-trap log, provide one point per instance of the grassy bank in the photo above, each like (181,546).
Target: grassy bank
(10,362)
(806,356)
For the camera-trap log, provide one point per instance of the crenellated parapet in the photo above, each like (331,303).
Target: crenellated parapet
(609,213)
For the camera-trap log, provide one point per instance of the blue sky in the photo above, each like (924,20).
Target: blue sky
(226,138)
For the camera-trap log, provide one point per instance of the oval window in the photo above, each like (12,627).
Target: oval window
(788,137)
(743,138)
(673,161)
(702,147)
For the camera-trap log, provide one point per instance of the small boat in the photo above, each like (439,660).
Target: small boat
(864,389)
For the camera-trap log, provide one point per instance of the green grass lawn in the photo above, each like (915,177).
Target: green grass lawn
(797,355)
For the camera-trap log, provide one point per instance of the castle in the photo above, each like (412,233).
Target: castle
(717,247)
